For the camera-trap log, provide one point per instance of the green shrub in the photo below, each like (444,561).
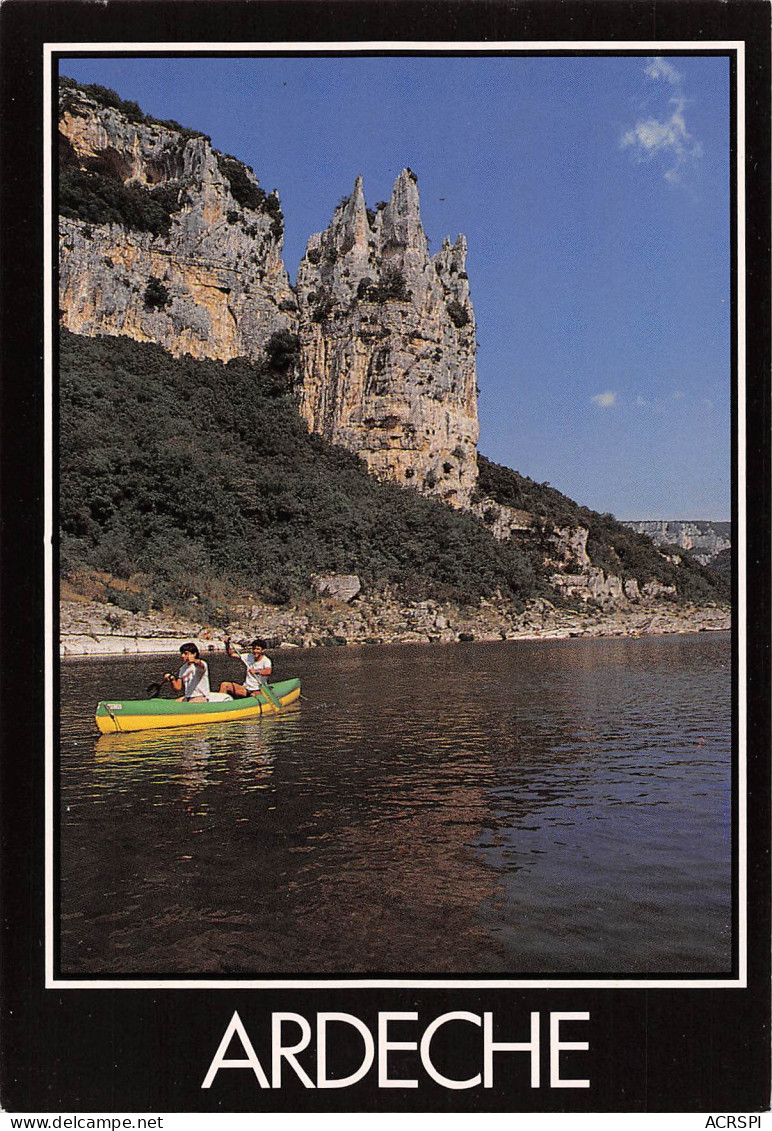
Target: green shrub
(167,195)
(243,189)
(283,351)
(99,199)
(156,296)
(459,315)
(272,207)
(323,308)
(391,288)
(131,602)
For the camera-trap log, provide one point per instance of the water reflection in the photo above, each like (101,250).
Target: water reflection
(554,807)
(195,756)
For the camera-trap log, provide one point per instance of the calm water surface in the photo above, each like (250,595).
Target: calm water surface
(546,807)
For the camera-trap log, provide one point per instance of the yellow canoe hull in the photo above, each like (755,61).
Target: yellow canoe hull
(161,714)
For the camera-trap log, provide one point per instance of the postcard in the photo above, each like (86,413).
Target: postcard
(385,560)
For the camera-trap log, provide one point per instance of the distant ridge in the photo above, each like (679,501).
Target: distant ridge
(703,539)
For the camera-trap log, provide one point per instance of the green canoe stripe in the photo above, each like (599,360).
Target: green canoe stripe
(118,707)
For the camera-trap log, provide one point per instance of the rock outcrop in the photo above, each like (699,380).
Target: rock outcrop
(340,586)
(564,550)
(184,248)
(388,345)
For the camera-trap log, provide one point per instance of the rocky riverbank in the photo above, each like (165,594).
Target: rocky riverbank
(90,628)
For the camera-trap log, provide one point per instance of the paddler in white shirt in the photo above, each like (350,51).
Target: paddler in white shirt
(258,667)
(192,678)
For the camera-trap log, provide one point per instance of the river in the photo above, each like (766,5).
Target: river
(540,807)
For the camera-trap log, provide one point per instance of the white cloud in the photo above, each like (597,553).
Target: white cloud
(660,69)
(651,135)
(678,395)
(708,404)
(605,400)
(641,401)
(664,136)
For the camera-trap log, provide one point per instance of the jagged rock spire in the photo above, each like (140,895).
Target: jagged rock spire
(401,227)
(350,230)
(388,344)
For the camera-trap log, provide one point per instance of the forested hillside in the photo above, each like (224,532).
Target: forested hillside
(198,479)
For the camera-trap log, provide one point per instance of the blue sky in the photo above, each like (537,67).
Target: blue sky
(594,195)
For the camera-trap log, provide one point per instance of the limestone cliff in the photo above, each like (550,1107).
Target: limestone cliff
(163,238)
(388,344)
(563,549)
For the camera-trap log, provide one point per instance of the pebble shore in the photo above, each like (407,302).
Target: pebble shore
(89,628)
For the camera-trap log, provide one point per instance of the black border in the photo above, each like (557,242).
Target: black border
(121,1050)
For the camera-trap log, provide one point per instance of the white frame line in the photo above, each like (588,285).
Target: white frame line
(407,47)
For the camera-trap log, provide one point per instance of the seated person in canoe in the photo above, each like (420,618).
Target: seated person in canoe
(258,667)
(192,678)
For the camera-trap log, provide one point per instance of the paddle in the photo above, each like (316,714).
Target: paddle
(153,689)
(268,692)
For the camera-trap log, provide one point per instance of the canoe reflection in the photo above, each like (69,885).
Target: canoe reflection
(195,759)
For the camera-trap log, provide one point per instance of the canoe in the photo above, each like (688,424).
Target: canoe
(121,715)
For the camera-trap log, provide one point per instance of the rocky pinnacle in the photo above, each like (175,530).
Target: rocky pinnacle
(388,336)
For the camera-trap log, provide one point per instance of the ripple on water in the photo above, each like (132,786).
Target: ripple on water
(564,809)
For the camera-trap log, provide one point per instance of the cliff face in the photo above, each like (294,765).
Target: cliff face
(165,240)
(388,345)
(145,201)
